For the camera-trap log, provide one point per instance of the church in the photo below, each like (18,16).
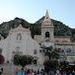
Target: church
(19,41)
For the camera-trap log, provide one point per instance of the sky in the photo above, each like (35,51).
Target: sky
(33,10)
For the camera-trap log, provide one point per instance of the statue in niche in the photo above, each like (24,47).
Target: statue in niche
(19,36)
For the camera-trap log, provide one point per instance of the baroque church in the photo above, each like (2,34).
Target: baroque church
(19,40)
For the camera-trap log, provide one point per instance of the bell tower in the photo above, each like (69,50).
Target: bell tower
(47,28)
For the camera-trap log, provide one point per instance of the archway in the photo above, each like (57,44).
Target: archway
(2,59)
(47,34)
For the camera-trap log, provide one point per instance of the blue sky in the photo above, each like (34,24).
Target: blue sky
(32,10)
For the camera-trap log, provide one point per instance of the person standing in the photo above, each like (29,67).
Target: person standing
(1,71)
(58,72)
(29,72)
(21,72)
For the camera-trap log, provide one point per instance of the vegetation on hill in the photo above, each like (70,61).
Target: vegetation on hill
(60,29)
(5,27)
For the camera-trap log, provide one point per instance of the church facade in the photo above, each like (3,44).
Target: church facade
(20,41)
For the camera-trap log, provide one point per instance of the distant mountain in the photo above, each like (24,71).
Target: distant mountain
(60,29)
(6,26)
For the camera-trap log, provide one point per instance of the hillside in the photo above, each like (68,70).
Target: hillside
(60,29)
(6,26)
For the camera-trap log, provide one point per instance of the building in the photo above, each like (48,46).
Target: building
(20,41)
(64,44)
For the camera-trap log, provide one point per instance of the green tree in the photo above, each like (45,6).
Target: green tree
(50,52)
(22,60)
(53,55)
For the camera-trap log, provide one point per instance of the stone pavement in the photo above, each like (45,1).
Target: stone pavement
(10,69)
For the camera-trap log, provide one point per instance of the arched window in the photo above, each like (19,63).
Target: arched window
(46,17)
(19,36)
(47,34)
(34,61)
(35,51)
(17,48)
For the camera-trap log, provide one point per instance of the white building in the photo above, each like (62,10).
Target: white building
(20,41)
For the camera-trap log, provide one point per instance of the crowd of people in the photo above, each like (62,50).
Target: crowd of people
(42,72)
(58,71)
(23,71)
